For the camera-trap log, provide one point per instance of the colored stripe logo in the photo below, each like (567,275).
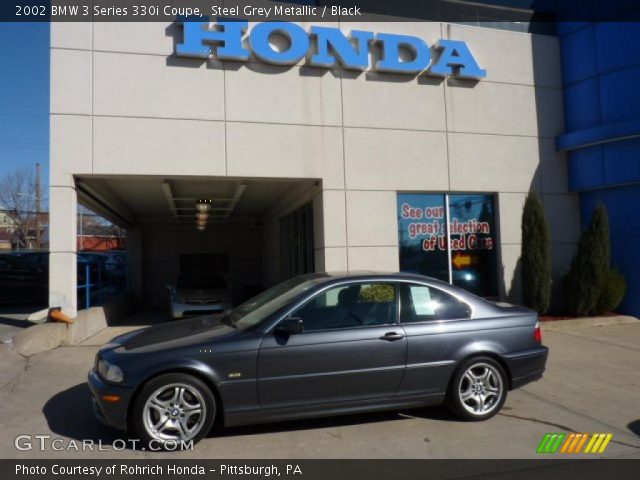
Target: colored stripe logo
(574,443)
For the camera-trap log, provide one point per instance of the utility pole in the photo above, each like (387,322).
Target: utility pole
(38,206)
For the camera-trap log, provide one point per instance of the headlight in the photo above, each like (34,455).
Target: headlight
(110,372)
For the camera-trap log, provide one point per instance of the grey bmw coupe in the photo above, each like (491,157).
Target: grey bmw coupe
(319,345)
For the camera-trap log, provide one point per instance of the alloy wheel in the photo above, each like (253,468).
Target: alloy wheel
(174,412)
(480,389)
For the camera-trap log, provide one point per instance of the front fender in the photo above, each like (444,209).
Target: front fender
(198,367)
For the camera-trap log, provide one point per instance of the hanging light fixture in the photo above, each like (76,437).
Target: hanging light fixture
(203,205)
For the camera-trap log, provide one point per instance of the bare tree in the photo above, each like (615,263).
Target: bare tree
(92,224)
(18,200)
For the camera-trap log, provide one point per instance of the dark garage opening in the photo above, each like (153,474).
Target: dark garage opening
(258,233)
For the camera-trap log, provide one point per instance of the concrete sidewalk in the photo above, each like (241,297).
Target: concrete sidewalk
(592,385)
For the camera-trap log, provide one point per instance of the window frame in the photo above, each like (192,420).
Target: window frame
(438,320)
(291,313)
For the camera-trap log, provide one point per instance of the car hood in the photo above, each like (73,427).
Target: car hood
(194,330)
(203,293)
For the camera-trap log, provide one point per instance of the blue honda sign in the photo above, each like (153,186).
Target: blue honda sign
(332,47)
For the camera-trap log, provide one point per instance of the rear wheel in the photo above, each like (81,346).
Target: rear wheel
(478,389)
(173,409)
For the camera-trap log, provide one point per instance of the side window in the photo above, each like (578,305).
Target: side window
(348,306)
(421,303)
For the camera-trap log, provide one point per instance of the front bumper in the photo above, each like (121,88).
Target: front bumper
(109,413)
(527,365)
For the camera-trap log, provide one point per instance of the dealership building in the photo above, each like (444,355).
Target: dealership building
(339,146)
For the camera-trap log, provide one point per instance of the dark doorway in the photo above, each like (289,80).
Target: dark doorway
(296,242)
(196,263)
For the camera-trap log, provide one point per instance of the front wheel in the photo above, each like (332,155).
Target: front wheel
(478,389)
(172,410)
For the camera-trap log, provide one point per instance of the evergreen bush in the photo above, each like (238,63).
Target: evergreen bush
(589,275)
(535,255)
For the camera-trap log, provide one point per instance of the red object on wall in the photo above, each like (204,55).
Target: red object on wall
(94,243)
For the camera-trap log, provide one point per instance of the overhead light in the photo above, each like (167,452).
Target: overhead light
(203,205)
(201,216)
(201,222)
(201,228)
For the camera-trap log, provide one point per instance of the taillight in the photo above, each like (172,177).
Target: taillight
(537,333)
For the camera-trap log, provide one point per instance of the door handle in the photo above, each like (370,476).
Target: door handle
(392,336)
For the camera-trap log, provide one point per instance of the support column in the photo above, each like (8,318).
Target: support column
(134,261)
(329,229)
(63,270)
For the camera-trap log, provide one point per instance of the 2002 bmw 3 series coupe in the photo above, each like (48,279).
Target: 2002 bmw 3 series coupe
(319,345)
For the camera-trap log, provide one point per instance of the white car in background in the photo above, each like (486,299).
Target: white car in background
(200,294)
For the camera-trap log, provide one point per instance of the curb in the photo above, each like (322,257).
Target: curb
(589,322)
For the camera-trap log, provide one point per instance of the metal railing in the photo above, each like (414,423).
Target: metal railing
(102,284)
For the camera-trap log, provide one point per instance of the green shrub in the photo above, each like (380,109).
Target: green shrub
(535,255)
(612,292)
(378,292)
(589,271)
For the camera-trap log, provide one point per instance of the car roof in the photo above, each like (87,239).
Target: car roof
(372,275)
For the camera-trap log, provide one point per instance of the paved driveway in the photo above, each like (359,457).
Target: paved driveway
(592,385)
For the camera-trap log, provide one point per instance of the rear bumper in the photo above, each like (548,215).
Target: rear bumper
(112,414)
(527,365)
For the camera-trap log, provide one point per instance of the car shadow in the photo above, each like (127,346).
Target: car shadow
(427,413)
(69,414)
(634,427)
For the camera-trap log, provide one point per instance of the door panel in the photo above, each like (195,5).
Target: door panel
(352,348)
(431,345)
(330,366)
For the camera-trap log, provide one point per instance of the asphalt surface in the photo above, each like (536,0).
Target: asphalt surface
(592,385)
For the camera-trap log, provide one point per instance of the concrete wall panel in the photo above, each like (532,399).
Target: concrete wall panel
(70,82)
(166,147)
(371,218)
(289,151)
(153,86)
(259,92)
(395,160)
(76,35)
(70,152)
(493,163)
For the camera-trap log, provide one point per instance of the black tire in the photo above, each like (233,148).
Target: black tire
(460,382)
(195,392)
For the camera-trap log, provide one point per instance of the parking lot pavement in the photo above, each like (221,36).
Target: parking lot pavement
(591,386)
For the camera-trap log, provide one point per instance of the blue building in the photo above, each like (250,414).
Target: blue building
(601,76)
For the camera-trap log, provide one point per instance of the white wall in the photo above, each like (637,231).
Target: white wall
(364,136)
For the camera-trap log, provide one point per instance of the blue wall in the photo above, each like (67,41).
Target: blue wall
(601,74)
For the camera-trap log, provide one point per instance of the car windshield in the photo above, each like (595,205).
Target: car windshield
(187,282)
(261,306)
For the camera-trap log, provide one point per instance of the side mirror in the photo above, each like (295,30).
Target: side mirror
(290,326)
